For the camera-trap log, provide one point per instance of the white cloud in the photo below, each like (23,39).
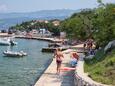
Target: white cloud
(3,8)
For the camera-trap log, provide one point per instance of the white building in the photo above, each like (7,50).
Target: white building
(44,32)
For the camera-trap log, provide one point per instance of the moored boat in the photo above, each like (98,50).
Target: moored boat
(4,41)
(7,41)
(14,53)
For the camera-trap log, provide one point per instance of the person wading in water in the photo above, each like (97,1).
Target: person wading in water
(58,55)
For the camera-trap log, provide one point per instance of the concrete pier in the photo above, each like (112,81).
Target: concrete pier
(50,78)
(67,78)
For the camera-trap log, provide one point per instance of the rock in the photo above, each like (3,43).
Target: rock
(109,46)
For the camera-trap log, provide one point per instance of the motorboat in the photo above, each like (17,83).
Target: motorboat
(7,41)
(14,53)
(23,53)
(4,41)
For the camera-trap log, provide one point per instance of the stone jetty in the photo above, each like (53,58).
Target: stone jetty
(50,78)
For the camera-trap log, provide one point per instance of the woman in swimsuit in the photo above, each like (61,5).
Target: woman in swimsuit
(58,56)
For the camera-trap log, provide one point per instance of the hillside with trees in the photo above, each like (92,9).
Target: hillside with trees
(98,24)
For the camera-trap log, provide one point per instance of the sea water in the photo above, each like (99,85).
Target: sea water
(23,71)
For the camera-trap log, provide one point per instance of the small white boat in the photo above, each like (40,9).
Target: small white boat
(7,41)
(4,41)
(14,54)
(23,53)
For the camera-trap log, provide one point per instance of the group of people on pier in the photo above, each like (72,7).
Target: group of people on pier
(74,57)
(88,45)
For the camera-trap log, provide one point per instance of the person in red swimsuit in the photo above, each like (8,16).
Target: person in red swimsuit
(58,56)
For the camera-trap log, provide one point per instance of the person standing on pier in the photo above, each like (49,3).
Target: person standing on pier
(58,55)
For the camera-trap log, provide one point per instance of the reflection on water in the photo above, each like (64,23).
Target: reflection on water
(23,71)
(9,48)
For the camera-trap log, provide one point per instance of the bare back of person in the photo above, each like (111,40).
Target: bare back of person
(59,56)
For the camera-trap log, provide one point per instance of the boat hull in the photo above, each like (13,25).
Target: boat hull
(5,44)
(14,54)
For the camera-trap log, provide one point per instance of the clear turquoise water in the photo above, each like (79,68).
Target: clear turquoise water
(23,71)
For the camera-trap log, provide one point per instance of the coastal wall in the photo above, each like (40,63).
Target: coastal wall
(47,76)
(4,35)
(81,78)
(40,38)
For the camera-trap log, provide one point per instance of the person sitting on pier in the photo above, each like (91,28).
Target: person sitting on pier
(58,55)
(74,59)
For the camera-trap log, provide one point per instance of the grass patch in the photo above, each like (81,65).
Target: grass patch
(102,67)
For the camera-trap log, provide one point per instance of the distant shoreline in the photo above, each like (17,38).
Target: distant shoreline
(25,37)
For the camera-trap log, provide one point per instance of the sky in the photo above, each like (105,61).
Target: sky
(36,5)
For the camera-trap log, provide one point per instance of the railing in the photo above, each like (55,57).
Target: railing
(78,81)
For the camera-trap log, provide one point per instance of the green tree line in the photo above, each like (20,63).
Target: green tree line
(98,23)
